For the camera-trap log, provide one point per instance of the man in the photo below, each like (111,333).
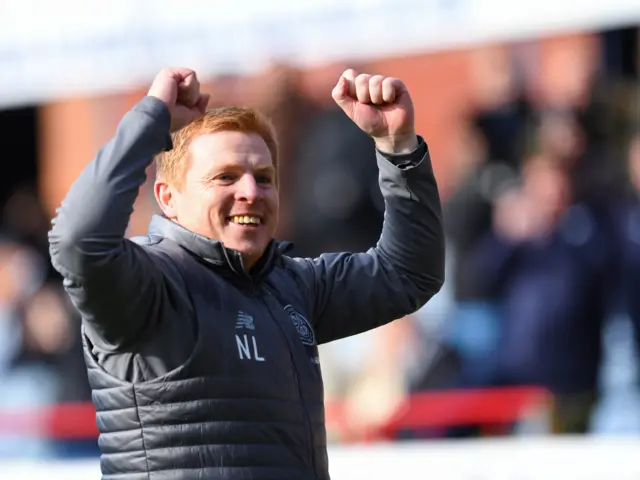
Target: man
(201,338)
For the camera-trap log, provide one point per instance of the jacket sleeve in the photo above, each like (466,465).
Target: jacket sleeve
(356,292)
(112,281)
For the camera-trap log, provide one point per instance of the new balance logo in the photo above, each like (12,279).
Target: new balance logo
(245,320)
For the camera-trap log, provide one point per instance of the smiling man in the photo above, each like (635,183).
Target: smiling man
(201,337)
(220,180)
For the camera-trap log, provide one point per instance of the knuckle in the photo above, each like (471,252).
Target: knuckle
(376,80)
(361,80)
(349,73)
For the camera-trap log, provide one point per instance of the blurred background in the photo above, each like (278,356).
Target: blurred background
(526,360)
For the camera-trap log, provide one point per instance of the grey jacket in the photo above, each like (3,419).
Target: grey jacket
(199,368)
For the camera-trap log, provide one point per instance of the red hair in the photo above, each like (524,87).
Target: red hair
(172,165)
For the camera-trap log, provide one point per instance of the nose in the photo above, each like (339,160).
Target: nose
(248,189)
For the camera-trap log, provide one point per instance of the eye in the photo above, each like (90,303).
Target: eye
(226,177)
(264,179)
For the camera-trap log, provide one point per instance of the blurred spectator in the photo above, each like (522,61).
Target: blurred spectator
(25,221)
(335,187)
(43,363)
(495,141)
(548,259)
(22,384)
(628,215)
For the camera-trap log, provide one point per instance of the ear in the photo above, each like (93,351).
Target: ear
(165,196)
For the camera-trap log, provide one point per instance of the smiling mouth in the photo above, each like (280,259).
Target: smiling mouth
(246,220)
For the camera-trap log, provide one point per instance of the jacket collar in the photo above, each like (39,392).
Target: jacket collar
(214,252)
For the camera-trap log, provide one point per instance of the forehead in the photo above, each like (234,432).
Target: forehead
(228,147)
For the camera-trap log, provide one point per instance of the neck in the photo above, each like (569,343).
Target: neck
(248,262)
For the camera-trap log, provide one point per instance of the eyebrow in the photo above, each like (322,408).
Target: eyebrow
(233,166)
(266,168)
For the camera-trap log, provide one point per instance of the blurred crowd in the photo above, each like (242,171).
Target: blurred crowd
(543,228)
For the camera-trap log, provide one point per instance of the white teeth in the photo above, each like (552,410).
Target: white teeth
(245,220)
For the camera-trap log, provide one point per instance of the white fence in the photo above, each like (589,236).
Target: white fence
(509,459)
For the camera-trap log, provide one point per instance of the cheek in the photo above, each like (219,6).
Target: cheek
(218,204)
(274,200)
(195,204)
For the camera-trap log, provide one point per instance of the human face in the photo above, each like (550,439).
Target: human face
(548,189)
(229,192)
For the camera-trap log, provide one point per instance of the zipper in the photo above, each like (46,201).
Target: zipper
(256,290)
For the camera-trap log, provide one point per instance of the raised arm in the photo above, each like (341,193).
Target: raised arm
(113,282)
(354,293)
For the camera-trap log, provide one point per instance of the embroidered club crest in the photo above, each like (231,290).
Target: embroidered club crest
(305,331)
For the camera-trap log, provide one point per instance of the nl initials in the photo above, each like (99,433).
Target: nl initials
(244,350)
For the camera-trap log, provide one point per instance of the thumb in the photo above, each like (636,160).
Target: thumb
(340,93)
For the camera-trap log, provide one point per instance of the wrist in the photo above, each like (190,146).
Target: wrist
(397,144)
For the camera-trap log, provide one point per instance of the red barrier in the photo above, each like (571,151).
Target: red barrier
(464,407)
(64,421)
(446,409)
(422,410)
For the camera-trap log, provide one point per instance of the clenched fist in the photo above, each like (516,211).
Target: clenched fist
(179,89)
(381,107)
